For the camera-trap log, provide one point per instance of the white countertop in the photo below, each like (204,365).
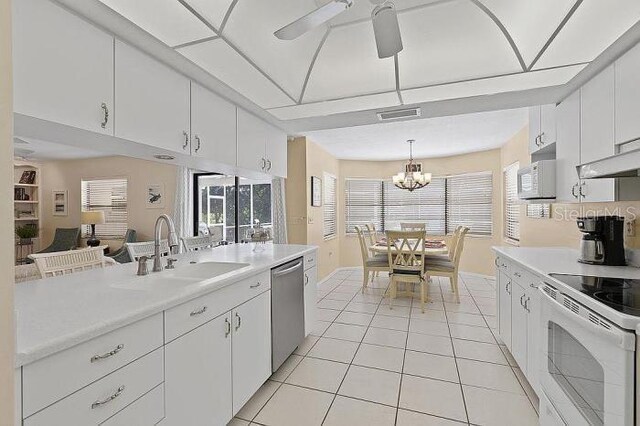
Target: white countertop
(544,261)
(54,314)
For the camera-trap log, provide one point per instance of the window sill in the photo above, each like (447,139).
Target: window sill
(332,237)
(511,242)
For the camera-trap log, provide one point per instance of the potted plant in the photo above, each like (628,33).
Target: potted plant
(26,233)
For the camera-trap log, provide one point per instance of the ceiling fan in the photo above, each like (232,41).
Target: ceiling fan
(385,24)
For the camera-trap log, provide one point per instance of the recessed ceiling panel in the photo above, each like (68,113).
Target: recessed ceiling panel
(594,27)
(450,42)
(361,9)
(226,64)
(360,103)
(348,65)
(167,20)
(490,86)
(530,23)
(251,26)
(212,10)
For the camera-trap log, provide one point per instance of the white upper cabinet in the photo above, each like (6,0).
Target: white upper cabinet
(597,135)
(534,128)
(276,152)
(261,146)
(213,126)
(152,101)
(63,67)
(568,149)
(627,96)
(542,127)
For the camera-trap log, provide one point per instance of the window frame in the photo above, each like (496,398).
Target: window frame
(325,204)
(507,202)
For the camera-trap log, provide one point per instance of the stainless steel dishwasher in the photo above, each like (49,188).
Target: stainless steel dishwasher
(287,310)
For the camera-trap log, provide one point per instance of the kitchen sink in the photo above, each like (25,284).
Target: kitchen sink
(204,270)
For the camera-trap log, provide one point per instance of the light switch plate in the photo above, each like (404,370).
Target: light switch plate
(630,228)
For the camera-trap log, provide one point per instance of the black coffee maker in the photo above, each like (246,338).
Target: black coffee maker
(603,240)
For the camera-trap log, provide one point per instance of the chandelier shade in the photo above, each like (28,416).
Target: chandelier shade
(412,178)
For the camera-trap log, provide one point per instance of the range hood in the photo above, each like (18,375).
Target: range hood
(624,164)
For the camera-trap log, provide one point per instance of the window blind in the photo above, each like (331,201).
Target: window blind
(363,203)
(330,207)
(110,196)
(511,206)
(470,202)
(425,205)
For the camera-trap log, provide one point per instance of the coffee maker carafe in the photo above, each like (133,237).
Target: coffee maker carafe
(603,240)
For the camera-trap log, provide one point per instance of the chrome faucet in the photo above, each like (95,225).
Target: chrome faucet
(172,238)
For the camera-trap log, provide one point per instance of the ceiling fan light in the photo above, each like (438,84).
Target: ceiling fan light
(386,30)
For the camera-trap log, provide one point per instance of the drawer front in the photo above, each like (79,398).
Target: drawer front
(51,379)
(504,265)
(194,313)
(310,260)
(519,274)
(146,411)
(99,401)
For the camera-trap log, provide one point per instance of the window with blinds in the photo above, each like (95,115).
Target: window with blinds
(470,203)
(110,196)
(422,205)
(363,203)
(330,207)
(511,206)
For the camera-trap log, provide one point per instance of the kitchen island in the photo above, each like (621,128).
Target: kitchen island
(109,346)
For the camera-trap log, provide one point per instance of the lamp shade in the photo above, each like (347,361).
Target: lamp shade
(93,218)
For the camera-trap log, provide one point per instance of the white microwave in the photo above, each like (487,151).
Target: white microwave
(537,181)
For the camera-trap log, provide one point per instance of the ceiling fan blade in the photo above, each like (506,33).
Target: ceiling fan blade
(386,30)
(313,19)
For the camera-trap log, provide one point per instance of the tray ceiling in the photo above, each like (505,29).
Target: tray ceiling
(452,48)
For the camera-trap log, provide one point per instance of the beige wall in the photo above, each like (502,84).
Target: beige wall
(68,175)
(7,340)
(296,192)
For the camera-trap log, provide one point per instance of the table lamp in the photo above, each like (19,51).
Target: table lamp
(93,219)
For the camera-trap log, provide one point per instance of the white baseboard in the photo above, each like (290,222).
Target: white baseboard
(355,268)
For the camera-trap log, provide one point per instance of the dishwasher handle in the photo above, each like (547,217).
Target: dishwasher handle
(288,270)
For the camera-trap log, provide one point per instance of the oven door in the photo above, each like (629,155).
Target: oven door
(587,368)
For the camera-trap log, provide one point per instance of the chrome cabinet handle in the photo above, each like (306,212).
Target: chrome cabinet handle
(573,191)
(582,194)
(108,354)
(228,325)
(517,274)
(507,287)
(521,303)
(198,312)
(105,113)
(537,141)
(197,139)
(541,138)
(239,321)
(495,262)
(526,304)
(268,165)
(186,140)
(264,164)
(108,399)
(306,279)
(255,285)
(534,286)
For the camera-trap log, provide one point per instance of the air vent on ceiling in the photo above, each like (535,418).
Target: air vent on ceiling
(399,114)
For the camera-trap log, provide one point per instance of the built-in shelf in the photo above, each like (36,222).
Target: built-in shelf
(25,185)
(26,219)
(25,202)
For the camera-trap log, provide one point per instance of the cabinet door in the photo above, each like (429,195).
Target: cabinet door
(534,346)
(152,101)
(252,136)
(519,326)
(534,128)
(62,67)
(597,141)
(627,97)
(504,305)
(310,299)
(198,375)
(251,345)
(213,126)
(568,149)
(548,124)
(276,152)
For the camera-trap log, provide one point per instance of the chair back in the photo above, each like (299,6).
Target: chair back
(198,243)
(406,252)
(406,226)
(70,261)
(365,243)
(454,241)
(459,246)
(215,232)
(146,248)
(64,239)
(373,234)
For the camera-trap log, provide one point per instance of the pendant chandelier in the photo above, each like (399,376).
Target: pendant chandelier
(412,178)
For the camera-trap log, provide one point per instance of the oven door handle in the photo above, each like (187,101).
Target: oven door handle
(619,337)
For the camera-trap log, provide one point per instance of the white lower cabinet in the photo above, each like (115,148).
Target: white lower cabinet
(310,298)
(198,364)
(148,410)
(519,326)
(504,289)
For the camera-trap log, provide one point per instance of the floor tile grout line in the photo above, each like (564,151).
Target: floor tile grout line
(455,359)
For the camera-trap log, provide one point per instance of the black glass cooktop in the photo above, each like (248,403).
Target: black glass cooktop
(618,293)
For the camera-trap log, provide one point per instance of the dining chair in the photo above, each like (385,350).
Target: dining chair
(370,264)
(450,248)
(405,252)
(198,243)
(71,261)
(407,226)
(373,233)
(449,268)
(146,248)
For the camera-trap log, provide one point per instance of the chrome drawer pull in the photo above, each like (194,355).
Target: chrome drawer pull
(198,312)
(255,285)
(228,330)
(107,355)
(517,274)
(109,399)
(105,111)
(239,321)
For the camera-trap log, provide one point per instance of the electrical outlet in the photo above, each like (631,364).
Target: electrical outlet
(630,228)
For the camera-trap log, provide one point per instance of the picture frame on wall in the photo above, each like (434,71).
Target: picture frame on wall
(60,203)
(155,196)
(316,191)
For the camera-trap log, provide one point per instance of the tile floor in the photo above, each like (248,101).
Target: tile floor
(366,364)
